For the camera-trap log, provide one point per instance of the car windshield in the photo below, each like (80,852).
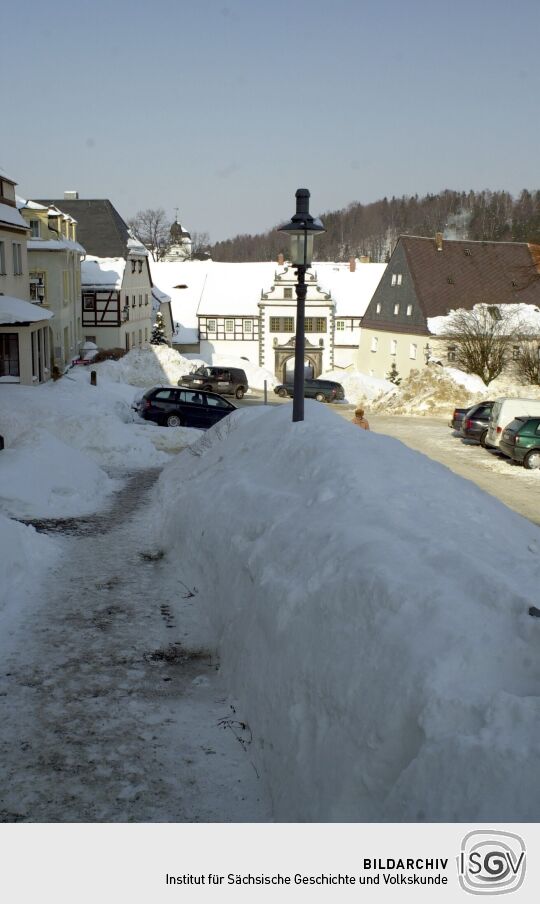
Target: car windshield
(203,371)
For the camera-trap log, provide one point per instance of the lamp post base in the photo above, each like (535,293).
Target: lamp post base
(299,350)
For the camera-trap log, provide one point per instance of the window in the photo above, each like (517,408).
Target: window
(378,308)
(2,258)
(34,229)
(340,324)
(65,284)
(140,266)
(248,326)
(164,395)
(146,298)
(282,325)
(9,355)
(396,279)
(37,287)
(315,324)
(89,303)
(17,258)
(287,293)
(211,326)
(396,309)
(216,403)
(374,343)
(146,334)
(412,351)
(90,339)
(140,300)
(229,326)
(140,337)
(409,310)
(133,303)
(133,264)
(393,346)
(452,353)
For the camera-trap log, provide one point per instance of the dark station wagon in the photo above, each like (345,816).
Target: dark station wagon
(170,406)
(521,441)
(321,390)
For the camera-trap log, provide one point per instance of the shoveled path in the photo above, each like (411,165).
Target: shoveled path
(111,708)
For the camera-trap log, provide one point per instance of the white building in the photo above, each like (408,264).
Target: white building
(25,336)
(117,300)
(249,310)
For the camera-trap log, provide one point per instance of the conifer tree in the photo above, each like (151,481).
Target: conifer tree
(158,331)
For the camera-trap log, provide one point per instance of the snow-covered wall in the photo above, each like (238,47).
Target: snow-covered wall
(371,609)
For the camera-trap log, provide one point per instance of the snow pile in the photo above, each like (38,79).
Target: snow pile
(366,606)
(147,367)
(62,438)
(25,555)
(256,375)
(42,477)
(358,387)
(431,391)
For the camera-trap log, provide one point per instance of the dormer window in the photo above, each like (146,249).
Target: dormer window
(34,229)
(396,279)
(378,308)
(140,266)
(133,265)
(467,252)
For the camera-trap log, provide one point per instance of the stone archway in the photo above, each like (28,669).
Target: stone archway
(283,354)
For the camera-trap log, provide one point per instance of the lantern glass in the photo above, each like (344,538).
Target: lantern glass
(301,249)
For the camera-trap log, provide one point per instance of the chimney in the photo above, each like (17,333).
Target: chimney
(352,264)
(71,196)
(438,240)
(280,259)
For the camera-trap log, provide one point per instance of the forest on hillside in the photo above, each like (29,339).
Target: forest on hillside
(372,229)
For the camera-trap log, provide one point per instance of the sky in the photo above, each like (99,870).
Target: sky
(223,108)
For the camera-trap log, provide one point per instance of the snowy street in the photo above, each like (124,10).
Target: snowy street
(110,701)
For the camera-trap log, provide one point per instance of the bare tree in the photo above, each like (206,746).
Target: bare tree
(153,229)
(527,361)
(200,241)
(481,341)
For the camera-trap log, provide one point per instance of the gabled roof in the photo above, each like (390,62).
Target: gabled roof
(463,273)
(100,228)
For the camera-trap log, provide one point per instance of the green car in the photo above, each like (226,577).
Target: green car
(521,441)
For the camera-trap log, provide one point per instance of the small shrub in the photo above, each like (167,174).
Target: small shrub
(109,354)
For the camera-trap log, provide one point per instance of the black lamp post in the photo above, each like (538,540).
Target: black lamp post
(301,229)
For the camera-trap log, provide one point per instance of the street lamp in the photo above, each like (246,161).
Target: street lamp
(427,352)
(301,229)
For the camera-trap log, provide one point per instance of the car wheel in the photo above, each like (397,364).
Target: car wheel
(483,438)
(532,459)
(282,393)
(174,420)
(320,397)
(240,392)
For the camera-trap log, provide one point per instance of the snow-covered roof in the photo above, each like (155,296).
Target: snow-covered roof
(352,291)
(526,315)
(31,205)
(135,246)
(54,245)
(11,216)
(15,310)
(102,272)
(208,287)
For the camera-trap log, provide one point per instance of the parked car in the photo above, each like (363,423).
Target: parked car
(322,390)
(476,421)
(225,380)
(504,411)
(457,418)
(170,406)
(520,441)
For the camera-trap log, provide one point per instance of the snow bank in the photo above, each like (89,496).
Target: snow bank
(147,367)
(436,390)
(61,439)
(371,608)
(359,387)
(42,477)
(25,555)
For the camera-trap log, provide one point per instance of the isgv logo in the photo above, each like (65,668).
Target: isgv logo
(491,862)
